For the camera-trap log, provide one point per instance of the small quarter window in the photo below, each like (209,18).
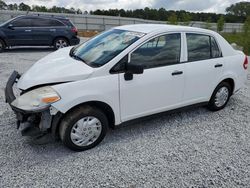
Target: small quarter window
(215,49)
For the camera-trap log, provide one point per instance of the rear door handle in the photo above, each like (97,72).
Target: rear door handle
(28,30)
(218,65)
(176,73)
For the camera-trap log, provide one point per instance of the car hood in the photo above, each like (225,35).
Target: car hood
(56,67)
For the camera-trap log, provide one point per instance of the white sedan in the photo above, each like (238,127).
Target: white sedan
(123,74)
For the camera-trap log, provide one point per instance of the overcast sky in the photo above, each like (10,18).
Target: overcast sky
(217,6)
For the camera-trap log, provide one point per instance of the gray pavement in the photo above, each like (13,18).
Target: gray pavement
(193,148)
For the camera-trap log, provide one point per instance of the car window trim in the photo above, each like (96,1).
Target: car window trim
(204,34)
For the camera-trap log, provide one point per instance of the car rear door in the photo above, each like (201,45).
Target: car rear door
(161,85)
(19,32)
(44,30)
(203,67)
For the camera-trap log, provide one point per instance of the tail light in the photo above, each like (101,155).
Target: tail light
(74,30)
(245,64)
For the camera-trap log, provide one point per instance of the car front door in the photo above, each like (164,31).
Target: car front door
(203,68)
(161,85)
(19,32)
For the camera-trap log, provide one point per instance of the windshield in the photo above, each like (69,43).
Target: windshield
(104,47)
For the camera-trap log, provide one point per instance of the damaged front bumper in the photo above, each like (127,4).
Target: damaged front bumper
(34,123)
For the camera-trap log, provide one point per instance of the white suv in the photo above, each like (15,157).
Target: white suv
(123,74)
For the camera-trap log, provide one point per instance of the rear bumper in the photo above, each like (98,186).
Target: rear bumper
(74,41)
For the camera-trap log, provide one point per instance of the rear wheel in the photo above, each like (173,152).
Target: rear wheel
(60,43)
(220,97)
(83,128)
(2,45)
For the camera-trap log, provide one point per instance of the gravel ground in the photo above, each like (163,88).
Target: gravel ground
(193,148)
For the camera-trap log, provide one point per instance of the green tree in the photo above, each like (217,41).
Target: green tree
(3,5)
(79,11)
(173,20)
(246,36)
(24,7)
(220,24)
(239,9)
(208,23)
(186,19)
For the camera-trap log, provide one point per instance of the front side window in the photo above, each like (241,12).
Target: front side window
(104,47)
(201,47)
(160,51)
(22,22)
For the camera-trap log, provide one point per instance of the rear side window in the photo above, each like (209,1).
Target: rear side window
(43,22)
(160,51)
(56,23)
(22,22)
(201,47)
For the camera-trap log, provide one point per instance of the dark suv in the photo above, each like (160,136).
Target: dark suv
(38,30)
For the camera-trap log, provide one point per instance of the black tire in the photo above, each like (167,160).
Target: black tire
(2,45)
(60,43)
(212,103)
(73,117)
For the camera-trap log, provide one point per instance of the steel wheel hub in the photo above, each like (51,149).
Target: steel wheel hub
(61,44)
(86,131)
(221,96)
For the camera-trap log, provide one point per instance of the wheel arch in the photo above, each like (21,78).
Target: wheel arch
(5,43)
(57,37)
(231,82)
(98,104)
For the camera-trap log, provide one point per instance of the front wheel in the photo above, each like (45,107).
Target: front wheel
(220,97)
(60,43)
(2,45)
(83,128)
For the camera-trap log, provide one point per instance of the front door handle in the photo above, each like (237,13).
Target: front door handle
(218,65)
(28,30)
(176,73)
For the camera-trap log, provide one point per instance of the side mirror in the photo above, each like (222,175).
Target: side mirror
(134,69)
(10,26)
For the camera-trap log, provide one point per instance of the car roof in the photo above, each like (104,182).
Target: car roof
(150,28)
(43,16)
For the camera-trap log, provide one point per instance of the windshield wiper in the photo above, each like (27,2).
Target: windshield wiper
(71,53)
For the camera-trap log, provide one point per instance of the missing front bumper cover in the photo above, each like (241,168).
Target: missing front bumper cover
(22,116)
